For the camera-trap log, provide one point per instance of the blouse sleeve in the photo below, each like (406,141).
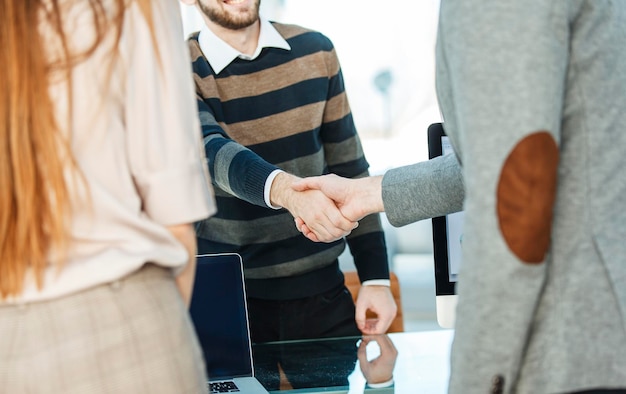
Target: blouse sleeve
(164,141)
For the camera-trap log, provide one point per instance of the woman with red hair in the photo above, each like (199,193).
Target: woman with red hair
(101,177)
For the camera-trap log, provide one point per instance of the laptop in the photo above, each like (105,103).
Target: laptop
(220,316)
(447,238)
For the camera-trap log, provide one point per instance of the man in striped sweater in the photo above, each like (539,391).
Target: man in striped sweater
(273,109)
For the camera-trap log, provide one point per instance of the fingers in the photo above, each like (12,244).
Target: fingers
(362,357)
(360,312)
(368,326)
(386,345)
(379,369)
(305,230)
(388,351)
(328,225)
(379,300)
(321,218)
(347,194)
(372,327)
(318,218)
(333,186)
(307,184)
(385,313)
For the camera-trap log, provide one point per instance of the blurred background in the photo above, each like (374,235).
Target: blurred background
(386,50)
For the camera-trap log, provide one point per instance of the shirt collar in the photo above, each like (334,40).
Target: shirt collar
(219,54)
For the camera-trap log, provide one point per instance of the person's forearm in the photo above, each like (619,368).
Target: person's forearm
(186,235)
(226,156)
(318,211)
(370,194)
(423,190)
(281,191)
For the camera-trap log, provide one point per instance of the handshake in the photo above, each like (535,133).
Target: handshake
(328,207)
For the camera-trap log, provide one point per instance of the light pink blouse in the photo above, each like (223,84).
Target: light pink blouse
(137,140)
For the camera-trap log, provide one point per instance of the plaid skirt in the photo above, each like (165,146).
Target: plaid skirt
(130,336)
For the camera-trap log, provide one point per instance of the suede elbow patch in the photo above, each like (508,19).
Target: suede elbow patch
(525,196)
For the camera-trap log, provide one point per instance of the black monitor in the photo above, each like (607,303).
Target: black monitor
(447,237)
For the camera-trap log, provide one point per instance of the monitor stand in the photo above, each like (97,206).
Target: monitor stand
(446,310)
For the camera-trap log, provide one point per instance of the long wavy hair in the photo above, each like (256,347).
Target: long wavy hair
(35,155)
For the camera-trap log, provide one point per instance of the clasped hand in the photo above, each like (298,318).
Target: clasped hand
(379,369)
(317,215)
(353,199)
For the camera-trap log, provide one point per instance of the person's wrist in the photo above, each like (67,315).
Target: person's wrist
(377,282)
(387,383)
(268,188)
(372,194)
(281,191)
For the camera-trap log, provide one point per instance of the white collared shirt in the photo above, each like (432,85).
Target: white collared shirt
(219,54)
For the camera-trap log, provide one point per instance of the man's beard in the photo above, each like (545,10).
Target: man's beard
(229,20)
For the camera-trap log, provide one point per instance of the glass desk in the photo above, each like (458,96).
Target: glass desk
(418,361)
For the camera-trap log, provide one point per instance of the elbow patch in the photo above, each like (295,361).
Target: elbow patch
(525,196)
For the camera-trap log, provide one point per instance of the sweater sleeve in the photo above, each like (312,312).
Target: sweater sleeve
(369,249)
(423,190)
(234,168)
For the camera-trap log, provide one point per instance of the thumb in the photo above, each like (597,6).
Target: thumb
(306,184)
(360,311)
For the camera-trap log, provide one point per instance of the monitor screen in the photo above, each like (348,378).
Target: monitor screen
(454,226)
(447,240)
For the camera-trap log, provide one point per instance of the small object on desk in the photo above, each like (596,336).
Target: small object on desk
(223,387)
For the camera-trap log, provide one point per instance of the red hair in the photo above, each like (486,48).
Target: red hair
(34,153)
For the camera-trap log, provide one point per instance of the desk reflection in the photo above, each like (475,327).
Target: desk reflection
(399,363)
(377,369)
(305,364)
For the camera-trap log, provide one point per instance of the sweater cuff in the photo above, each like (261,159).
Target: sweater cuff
(268,188)
(377,282)
(381,385)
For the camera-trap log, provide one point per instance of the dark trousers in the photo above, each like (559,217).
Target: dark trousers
(330,314)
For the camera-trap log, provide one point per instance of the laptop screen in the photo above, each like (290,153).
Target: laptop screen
(218,311)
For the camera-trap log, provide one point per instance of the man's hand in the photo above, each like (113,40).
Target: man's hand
(379,300)
(324,221)
(380,369)
(355,198)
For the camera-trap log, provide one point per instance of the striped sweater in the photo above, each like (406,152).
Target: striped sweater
(287,110)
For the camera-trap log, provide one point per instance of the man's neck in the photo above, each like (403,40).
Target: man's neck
(244,40)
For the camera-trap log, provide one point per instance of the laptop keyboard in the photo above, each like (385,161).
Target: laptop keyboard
(223,387)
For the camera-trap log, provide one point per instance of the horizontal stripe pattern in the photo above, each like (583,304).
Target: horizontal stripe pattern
(277,78)
(287,110)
